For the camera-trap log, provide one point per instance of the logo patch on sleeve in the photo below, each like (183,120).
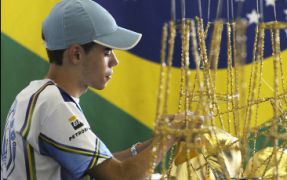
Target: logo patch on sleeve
(75,122)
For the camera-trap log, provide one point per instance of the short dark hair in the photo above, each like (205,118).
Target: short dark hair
(56,56)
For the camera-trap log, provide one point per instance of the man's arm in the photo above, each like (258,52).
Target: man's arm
(125,167)
(123,155)
(134,168)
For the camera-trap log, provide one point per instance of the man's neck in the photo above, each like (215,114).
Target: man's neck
(67,80)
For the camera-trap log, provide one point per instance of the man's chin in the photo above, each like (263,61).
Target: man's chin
(100,87)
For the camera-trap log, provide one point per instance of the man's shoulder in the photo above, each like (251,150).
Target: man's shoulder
(51,93)
(42,90)
(54,96)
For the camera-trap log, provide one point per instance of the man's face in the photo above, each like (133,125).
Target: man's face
(97,66)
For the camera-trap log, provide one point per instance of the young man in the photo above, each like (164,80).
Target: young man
(47,136)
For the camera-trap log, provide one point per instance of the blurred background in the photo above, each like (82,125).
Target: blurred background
(124,112)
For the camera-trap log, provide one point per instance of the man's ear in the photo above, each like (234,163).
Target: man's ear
(74,53)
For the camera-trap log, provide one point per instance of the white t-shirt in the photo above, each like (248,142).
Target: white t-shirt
(47,136)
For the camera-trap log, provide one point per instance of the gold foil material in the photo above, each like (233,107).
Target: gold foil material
(219,151)
(264,164)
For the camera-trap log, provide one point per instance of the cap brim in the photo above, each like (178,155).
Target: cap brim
(122,39)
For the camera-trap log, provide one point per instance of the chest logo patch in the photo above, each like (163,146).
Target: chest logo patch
(76,124)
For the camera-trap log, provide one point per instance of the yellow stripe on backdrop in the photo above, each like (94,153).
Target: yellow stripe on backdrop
(22,21)
(135,81)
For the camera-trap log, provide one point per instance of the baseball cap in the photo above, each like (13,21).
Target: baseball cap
(84,21)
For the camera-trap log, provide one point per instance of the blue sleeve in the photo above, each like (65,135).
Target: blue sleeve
(75,160)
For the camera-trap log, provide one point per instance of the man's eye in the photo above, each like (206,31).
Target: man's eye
(108,53)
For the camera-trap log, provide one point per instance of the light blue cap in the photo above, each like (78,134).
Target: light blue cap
(84,21)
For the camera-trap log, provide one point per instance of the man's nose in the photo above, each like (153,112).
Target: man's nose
(113,60)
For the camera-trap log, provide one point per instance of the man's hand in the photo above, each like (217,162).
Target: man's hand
(182,120)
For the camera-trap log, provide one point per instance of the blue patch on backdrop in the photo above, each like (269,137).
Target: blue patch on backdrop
(148,17)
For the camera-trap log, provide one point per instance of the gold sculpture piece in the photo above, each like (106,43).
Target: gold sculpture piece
(226,147)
